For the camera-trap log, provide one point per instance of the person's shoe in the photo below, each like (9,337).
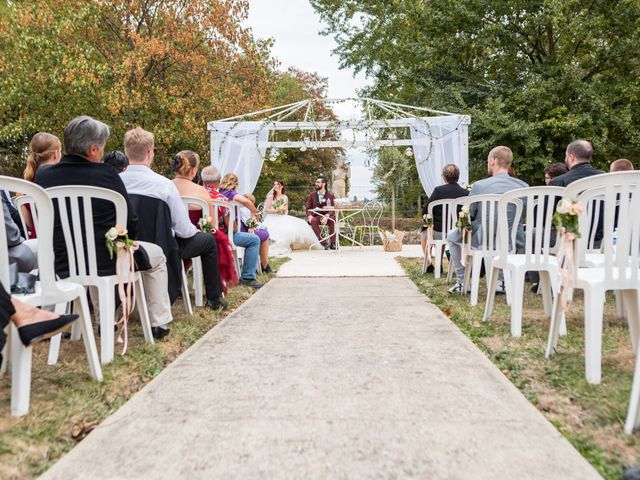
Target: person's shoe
(268,269)
(251,282)
(430,269)
(332,246)
(219,304)
(325,246)
(34,332)
(534,288)
(500,290)
(159,332)
(457,288)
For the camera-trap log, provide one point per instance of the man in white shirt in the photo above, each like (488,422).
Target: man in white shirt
(139,179)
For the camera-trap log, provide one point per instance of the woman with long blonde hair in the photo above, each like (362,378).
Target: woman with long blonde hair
(44,149)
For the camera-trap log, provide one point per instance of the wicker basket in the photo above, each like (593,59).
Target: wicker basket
(392,242)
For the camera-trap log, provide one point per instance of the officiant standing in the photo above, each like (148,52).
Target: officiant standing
(320,205)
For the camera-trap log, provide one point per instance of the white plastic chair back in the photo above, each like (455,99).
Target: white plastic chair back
(448,218)
(44,206)
(198,202)
(217,204)
(621,199)
(536,206)
(23,201)
(75,202)
(487,207)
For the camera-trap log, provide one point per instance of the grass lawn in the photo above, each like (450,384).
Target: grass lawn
(591,417)
(66,404)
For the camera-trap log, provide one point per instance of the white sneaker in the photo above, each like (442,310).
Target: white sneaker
(457,288)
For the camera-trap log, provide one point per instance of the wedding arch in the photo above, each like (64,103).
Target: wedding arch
(434,138)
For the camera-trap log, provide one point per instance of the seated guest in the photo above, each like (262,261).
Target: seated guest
(578,160)
(450,190)
(186,165)
(19,251)
(621,165)
(117,160)
(499,181)
(139,179)
(262,232)
(44,149)
(249,241)
(33,324)
(554,170)
(84,142)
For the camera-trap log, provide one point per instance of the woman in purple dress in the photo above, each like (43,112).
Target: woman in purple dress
(228,186)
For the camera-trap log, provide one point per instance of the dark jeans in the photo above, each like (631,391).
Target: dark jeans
(6,312)
(204,245)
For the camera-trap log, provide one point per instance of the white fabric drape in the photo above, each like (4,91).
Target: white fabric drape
(438,141)
(240,148)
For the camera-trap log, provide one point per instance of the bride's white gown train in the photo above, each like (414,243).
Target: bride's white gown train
(288,233)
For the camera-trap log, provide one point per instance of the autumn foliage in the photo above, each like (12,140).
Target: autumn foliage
(168,66)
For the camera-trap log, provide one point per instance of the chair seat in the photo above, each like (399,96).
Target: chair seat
(520,260)
(68,291)
(595,276)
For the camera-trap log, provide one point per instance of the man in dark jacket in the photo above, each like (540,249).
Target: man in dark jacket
(450,190)
(578,159)
(84,142)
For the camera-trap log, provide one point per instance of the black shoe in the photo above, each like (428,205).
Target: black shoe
(251,283)
(159,333)
(268,269)
(35,332)
(326,247)
(430,269)
(333,247)
(219,304)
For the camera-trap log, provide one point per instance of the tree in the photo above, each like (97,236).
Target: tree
(166,66)
(390,173)
(533,74)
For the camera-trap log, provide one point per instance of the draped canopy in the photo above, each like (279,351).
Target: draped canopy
(239,144)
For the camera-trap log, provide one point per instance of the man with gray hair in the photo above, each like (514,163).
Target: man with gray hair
(84,142)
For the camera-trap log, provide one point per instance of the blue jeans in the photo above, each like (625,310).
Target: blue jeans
(251,244)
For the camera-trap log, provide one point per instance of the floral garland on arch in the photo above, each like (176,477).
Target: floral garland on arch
(565,218)
(464,224)
(122,247)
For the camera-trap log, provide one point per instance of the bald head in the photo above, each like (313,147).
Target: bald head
(578,151)
(621,165)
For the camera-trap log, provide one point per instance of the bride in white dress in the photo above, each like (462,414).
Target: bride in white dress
(286,232)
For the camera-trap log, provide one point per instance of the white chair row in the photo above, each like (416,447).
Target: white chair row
(49,291)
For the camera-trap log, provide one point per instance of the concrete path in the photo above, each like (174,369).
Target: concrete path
(316,378)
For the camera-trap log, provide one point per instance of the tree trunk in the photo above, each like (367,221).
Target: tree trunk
(393,207)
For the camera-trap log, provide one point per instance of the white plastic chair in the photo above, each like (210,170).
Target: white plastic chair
(81,253)
(24,201)
(488,248)
(538,252)
(237,251)
(48,292)
(196,262)
(619,270)
(448,221)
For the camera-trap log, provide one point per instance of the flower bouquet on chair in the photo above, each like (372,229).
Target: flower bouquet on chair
(565,218)
(204,224)
(122,247)
(464,224)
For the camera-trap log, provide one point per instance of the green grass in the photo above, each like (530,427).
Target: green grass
(65,401)
(591,417)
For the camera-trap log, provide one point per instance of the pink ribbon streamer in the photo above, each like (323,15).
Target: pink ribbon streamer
(464,246)
(125,273)
(429,245)
(566,257)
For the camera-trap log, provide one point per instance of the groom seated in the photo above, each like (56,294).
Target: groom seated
(317,202)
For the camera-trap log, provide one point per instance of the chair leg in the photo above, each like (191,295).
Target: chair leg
(54,349)
(554,281)
(554,328)
(424,263)
(185,292)
(491,293)
(517,294)
(198,283)
(143,311)
(632,307)
(438,262)
(475,279)
(20,374)
(506,277)
(633,413)
(107,321)
(593,310)
(620,305)
(84,322)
